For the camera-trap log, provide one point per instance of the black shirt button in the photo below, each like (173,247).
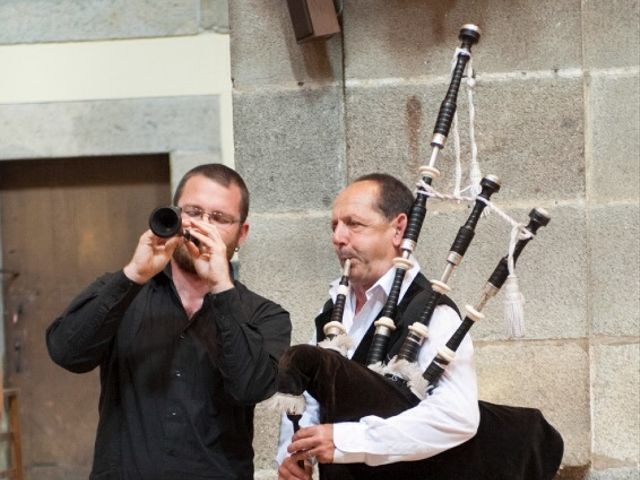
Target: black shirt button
(178,373)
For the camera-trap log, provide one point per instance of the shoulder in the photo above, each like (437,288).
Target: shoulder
(255,301)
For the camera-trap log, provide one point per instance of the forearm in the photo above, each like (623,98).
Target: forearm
(79,339)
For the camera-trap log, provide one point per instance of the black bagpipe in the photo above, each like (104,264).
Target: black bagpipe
(511,443)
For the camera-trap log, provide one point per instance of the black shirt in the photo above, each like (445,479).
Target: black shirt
(178,394)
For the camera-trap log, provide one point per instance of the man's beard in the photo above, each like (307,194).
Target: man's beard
(184,260)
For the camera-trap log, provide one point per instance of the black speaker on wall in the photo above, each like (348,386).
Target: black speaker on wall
(313,19)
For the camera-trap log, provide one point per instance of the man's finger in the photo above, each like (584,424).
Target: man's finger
(305,432)
(301,445)
(291,470)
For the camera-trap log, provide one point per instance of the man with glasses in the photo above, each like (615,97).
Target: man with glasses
(185,351)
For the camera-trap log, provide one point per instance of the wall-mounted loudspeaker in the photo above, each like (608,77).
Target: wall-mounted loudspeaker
(313,19)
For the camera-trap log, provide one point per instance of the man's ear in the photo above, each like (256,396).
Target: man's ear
(244,231)
(400,225)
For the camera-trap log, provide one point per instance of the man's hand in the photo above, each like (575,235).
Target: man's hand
(290,470)
(210,258)
(151,256)
(313,442)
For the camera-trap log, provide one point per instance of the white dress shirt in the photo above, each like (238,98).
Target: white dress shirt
(443,420)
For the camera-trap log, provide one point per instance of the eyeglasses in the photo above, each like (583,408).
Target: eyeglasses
(215,218)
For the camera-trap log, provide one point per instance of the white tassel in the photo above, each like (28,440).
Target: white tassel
(286,403)
(402,368)
(419,386)
(513,308)
(340,343)
(377,367)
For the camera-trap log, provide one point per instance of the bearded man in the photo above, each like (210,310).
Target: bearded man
(185,351)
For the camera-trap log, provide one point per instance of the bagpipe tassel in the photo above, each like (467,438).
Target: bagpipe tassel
(286,403)
(513,308)
(340,343)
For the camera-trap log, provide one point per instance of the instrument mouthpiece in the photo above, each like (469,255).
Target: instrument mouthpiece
(346,268)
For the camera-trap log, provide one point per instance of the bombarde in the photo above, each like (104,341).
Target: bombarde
(166,222)
(538,217)
(385,325)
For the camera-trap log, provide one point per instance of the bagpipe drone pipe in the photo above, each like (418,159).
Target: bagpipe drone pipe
(383,377)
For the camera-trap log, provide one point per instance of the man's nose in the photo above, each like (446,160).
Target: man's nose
(340,234)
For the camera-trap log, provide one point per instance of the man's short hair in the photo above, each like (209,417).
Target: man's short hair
(394,197)
(222,175)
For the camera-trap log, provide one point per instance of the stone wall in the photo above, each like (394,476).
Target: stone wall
(557,120)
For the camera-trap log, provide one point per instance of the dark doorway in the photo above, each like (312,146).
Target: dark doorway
(63,223)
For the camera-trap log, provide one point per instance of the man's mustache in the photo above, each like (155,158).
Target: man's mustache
(347,254)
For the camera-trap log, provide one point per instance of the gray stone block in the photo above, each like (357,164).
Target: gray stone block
(68,20)
(417,37)
(611,33)
(630,473)
(529,132)
(114,127)
(614,101)
(552,378)
(182,162)
(215,15)
(264,49)
(265,441)
(614,398)
(290,147)
(290,259)
(265,474)
(614,295)
(552,270)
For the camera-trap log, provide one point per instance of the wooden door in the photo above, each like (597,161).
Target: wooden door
(63,223)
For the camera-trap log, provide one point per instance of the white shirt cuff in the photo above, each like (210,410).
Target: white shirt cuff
(348,437)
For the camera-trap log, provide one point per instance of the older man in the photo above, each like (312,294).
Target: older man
(369,219)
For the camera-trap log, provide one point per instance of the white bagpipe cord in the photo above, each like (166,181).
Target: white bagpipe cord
(456,135)
(513,299)
(475,175)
